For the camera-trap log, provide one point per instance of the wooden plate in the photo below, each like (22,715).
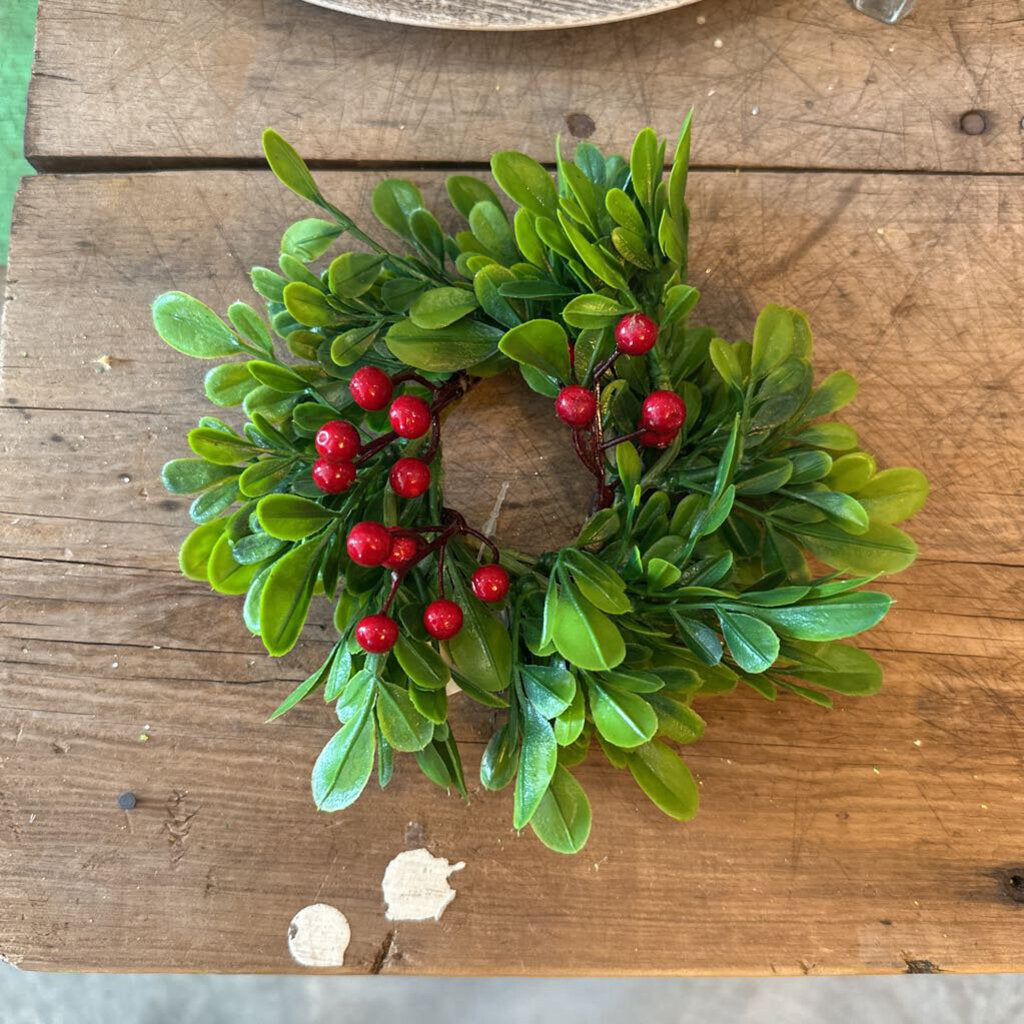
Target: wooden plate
(501,15)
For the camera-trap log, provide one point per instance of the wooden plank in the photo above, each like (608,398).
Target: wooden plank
(883,833)
(781,83)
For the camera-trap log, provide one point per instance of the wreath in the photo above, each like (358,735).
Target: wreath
(715,482)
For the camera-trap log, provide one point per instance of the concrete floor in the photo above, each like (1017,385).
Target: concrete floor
(163,999)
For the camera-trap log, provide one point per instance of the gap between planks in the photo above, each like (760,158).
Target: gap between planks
(83,165)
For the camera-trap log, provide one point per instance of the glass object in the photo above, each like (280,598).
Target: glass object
(889,11)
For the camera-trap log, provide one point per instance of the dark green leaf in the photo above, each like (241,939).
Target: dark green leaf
(422,664)
(401,724)
(751,642)
(833,618)
(189,476)
(501,758)
(549,688)
(284,603)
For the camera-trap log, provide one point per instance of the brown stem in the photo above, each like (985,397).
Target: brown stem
(613,441)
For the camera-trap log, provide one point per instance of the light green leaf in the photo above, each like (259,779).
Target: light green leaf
(309,305)
(569,724)
(562,819)
(894,495)
(440,307)
(197,547)
(537,760)
(833,618)
(290,517)
(465,192)
(189,476)
(309,239)
(191,327)
(353,274)
(451,348)
(621,717)
(289,166)
(284,603)
(344,766)
(225,575)
(835,391)
(541,344)
(773,340)
(880,549)
(841,668)
(526,182)
(393,203)
(751,641)
(402,725)
(666,780)
(583,635)
(549,688)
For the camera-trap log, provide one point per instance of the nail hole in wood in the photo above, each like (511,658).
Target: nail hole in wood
(1015,886)
(973,123)
(580,125)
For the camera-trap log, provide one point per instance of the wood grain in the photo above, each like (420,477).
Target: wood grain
(117,84)
(882,834)
(500,15)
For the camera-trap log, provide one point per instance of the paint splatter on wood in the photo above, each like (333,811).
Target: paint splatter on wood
(416,886)
(318,936)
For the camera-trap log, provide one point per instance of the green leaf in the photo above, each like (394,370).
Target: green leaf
(621,717)
(421,663)
(880,549)
(402,725)
(344,766)
(596,261)
(593,311)
(213,502)
(833,618)
(500,759)
(773,340)
(527,239)
(894,495)
(309,239)
(289,517)
(284,603)
(357,693)
(676,720)
(465,192)
(427,235)
(751,641)
(837,437)
(569,724)
(645,167)
(451,348)
(526,182)
(353,274)
(629,467)
(809,465)
(599,583)
(666,780)
(491,230)
(841,509)
(841,668)
(680,169)
(440,307)
(275,376)
(191,327)
(765,477)
(562,819)
(226,575)
(255,547)
(537,761)
(431,704)
(851,472)
(481,650)
(393,203)
(309,305)
(351,345)
(549,688)
(835,391)
(263,476)
(601,526)
(539,343)
(726,362)
(583,635)
(623,211)
(189,476)
(487,285)
(268,283)
(197,547)
(699,637)
(289,166)
(304,689)
(228,384)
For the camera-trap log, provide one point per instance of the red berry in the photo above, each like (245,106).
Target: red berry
(368,543)
(409,477)
(376,633)
(652,439)
(443,619)
(490,582)
(410,416)
(636,334)
(404,548)
(371,388)
(576,406)
(337,440)
(664,412)
(333,477)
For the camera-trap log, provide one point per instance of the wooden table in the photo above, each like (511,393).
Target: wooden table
(867,174)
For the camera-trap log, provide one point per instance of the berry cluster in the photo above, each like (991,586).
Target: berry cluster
(399,549)
(340,450)
(662,414)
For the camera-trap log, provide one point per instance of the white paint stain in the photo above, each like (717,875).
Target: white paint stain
(416,886)
(318,936)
